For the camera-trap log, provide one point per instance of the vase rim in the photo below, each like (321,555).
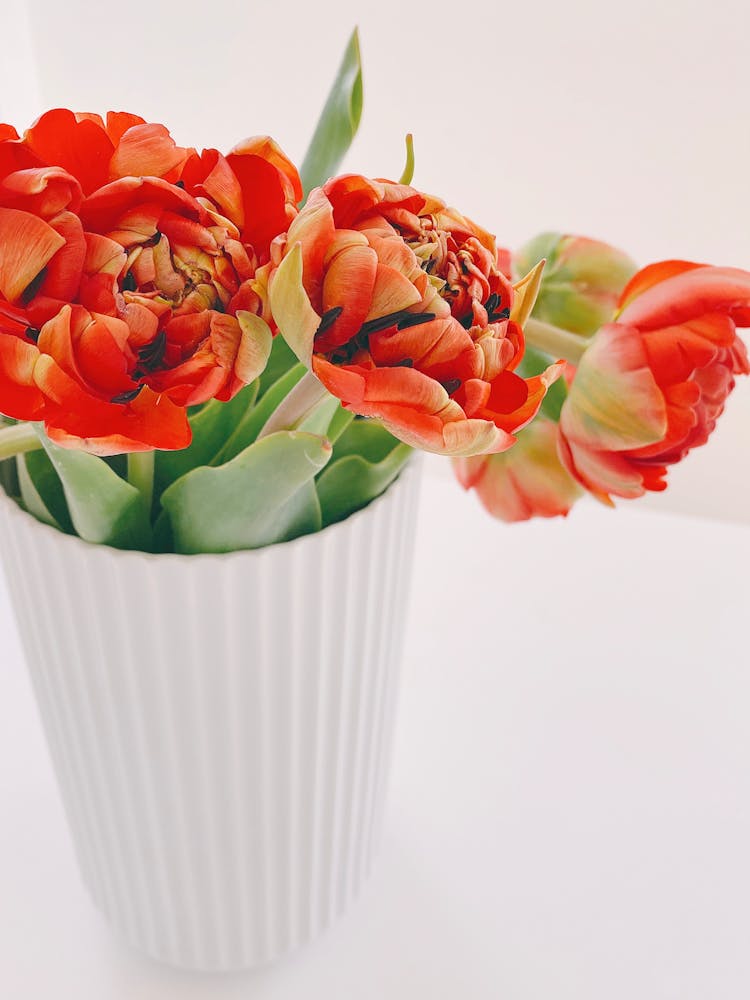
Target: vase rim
(11,509)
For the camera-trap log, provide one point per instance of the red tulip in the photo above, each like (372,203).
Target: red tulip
(399,306)
(652,384)
(155,247)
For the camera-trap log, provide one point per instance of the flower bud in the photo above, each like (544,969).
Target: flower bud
(582,280)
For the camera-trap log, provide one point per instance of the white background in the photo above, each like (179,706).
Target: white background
(570,814)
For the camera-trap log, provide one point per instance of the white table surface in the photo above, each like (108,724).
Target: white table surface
(570,813)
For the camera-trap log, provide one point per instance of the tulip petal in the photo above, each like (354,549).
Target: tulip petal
(614,402)
(525,294)
(20,398)
(255,347)
(104,210)
(604,472)
(210,175)
(393,292)
(526,481)
(652,275)
(146,150)
(348,286)
(693,292)
(295,317)
(74,418)
(80,146)
(270,187)
(27,244)
(62,277)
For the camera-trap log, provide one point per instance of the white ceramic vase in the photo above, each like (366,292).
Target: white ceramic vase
(221,726)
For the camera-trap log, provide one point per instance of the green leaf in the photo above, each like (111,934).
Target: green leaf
(104,509)
(254,418)
(338,122)
(212,426)
(365,462)
(282,359)
(341,420)
(9,476)
(321,417)
(264,495)
(534,362)
(42,491)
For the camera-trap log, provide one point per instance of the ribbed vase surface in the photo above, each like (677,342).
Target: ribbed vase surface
(220,726)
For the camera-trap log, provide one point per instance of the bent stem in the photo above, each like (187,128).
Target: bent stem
(296,407)
(17,440)
(141,475)
(554,341)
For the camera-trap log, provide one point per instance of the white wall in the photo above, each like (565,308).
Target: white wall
(629,121)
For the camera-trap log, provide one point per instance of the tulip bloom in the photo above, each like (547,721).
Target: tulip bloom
(126,276)
(400,307)
(652,384)
(527,481)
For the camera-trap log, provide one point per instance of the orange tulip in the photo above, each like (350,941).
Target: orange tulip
(527,481)
(155,248)
(651,385)
(399,306)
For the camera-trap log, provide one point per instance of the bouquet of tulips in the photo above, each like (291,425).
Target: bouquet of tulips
(203,352)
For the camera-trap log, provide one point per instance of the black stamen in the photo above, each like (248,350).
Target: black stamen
(180,184)
(152,240)
(451,385)
(129,284)
(127,397)
(415,319)
(492,302)
(428,265)
(383,322)
(405,363)
(495,317)
(32,333)
(33,287)
(328,319)
(151,355)
(467,321)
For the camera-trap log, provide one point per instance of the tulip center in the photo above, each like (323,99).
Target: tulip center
(464,274)
(188,279)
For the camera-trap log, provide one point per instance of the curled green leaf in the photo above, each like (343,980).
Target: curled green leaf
(264,495)
(366,460)
(103,507)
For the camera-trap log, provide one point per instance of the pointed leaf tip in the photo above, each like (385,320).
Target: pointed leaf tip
(338,122)
(526,291)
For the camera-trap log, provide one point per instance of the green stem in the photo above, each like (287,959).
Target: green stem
(141,475)
(406,176)
(18,439)
(554,341)
(299,404)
